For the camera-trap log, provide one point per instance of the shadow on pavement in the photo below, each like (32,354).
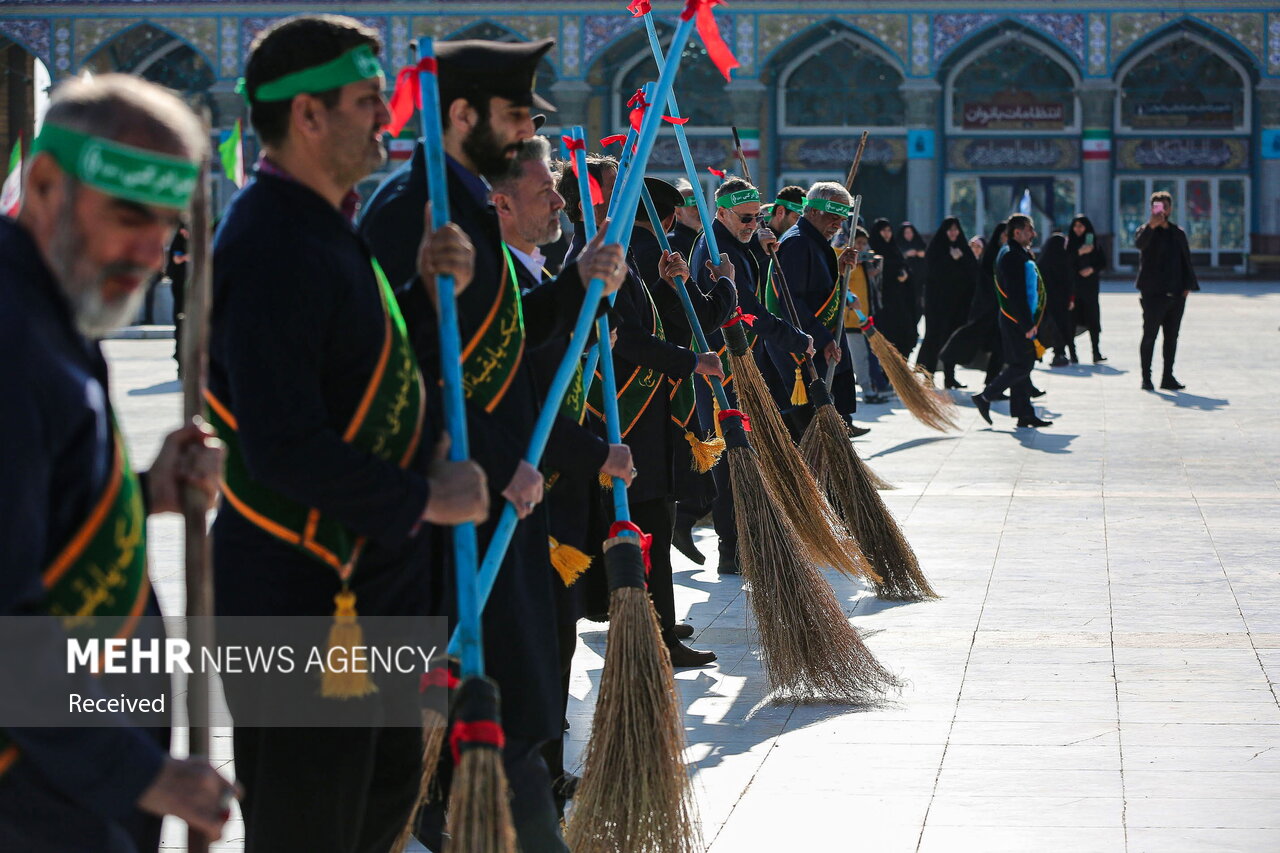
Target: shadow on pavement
(1193,401)
(915,442)
(1045,442)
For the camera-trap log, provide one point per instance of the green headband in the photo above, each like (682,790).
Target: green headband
(123,171)
(356,64)
(795,206)
(827,205)
(740,197)
(691,201)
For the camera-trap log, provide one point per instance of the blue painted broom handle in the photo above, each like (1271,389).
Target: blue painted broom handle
(508,521)
(716,386)
(465,546)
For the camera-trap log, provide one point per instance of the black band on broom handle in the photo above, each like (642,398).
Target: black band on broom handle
(844,279)
(199,580)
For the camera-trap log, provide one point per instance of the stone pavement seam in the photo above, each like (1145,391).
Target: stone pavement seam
(942,760)
(1111,615)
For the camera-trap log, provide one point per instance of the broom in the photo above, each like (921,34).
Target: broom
(479,815)
(913,385)
(851,485)
(810,651)
(635,795)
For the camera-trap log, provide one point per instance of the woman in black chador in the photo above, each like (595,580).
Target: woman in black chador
(1088,261)
(912,246)
(952,273)
(896,316)
(980,335)
(1057,329)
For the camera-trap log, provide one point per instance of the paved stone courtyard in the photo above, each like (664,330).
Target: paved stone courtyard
(1100,673)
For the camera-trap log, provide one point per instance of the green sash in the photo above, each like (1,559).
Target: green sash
(637,391)
(387,424)
(491,357)
(1042,299)
(97,585)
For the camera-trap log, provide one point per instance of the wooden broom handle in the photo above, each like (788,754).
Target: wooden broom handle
(857,161)
(742,158)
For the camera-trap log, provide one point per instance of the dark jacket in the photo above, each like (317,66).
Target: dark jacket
(1096,259)
(1164,262)
(295,336)
(1011,272)
(810,266)
(521,651)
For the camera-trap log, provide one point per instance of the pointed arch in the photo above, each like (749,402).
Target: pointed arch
(1000,67)
(157,53)
(811,74)
(785,53)
(1002,28)
(699,88)
(1208,81)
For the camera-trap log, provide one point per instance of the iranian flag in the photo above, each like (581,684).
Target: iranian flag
(11,192)
(231,152)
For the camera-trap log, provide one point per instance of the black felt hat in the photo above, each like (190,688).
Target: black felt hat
(666,198)
(505,69)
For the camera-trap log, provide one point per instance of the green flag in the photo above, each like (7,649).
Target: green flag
(231,151)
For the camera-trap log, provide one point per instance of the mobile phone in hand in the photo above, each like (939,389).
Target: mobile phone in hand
(1157,208)
(1088,239)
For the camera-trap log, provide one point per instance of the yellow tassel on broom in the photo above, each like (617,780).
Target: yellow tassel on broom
(568,561)
(706,453)
(799,396)
(346,634)
(635,795)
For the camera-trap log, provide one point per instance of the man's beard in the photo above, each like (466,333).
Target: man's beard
(82,284)
(550,234)
(483,149)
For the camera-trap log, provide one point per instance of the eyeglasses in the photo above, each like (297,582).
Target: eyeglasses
(744,218)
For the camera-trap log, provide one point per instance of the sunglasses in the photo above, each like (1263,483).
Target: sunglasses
(744,218)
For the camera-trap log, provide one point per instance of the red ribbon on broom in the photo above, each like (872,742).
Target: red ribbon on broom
(408,94)
(571,145)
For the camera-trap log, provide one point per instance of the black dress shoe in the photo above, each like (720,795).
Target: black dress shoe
(1033,423)
(682,538)
(1146,384)
(857,431)
(1171,384)
(1098,357)
(983,405)
(566,724)
(566,786)
(1037,392)
(682,631)
(1059,361)
(682,656)
(728,567)
(952,382)
(1001,396)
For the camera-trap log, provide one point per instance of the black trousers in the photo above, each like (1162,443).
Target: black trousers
(1020,360)
(655,518)
(334,790)
(1161,313)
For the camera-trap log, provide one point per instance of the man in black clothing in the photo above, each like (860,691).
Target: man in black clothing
(1021,294)
(1165,278)
(786,209)
(486,96)
(528,209)
(687,226)
(736,236)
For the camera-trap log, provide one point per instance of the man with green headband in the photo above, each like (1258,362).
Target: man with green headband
(687,226)
(735,227)
(786,210)
(813,270)
(330,488)
(112,171)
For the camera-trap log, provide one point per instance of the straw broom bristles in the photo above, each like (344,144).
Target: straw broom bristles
(926,403)
(480,805)
(817,526)
(434,729)
(635,795)
(811,652)
(479,812)
(846,482)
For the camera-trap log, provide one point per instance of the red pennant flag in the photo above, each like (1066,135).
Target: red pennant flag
(710,34)
(716,172)
(616,139)
(675,120)
(572,145)
(638,105)
(639,8)
(407,95)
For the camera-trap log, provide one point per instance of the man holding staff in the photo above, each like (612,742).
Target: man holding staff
(113,169)
(329,484)
(486,99)
(814,272)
